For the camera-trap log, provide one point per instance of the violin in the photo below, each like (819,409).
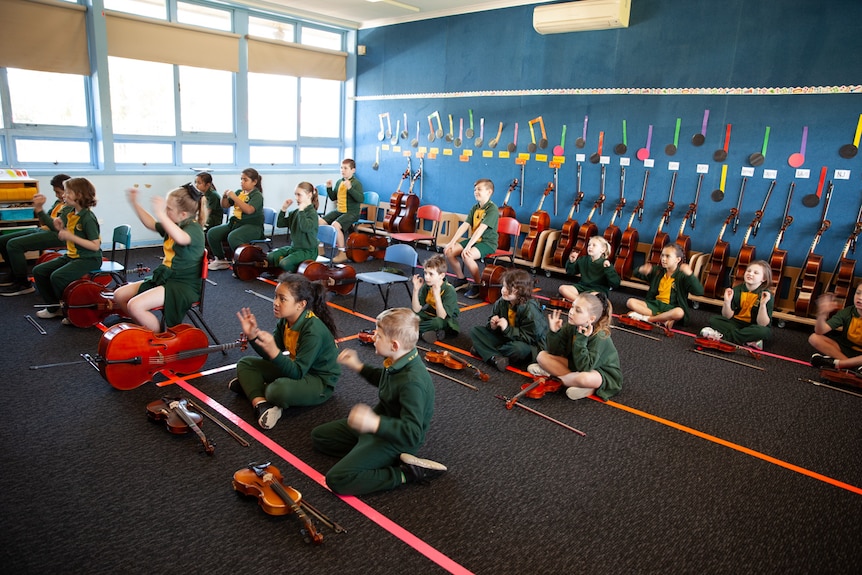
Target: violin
(178,419)
(339,279)
(265,482)
(359,247)
(539,222)
(723,346)
(560,303)
(644,325)
(452,362)
(249,262)
(366,337)
(130,355)
(845,376)
(507,211)
(491,285)
(536,389)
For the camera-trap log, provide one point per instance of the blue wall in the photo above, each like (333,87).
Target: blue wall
(669,44)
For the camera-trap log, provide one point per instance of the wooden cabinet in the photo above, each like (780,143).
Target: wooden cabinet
(16,204)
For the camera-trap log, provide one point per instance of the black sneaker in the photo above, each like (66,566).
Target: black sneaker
(473,292)
(460,284)
(821,360)
(418,470)
(501,362)
(18,289)
(235,387)
(7,280)
(267,414)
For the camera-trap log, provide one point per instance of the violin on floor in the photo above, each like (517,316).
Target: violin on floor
(644,325)
(179,419)
(265,482)
(130,355)
(536,389)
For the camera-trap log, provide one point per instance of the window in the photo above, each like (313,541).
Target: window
(142,97)
(149,8)
(196,15)
(206,100)
(47,98)
(320,108)
(272,29)
(272,104)
(321,38)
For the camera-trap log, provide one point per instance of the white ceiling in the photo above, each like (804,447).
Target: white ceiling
(364,14)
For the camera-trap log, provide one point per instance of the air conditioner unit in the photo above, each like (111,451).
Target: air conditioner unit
(582,15)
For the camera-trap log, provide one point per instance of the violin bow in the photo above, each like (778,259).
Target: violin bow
(757,367)
(209,416)
(821,384)
(450,378)
(178,405)
(543,416)
(510,403)
(627,330)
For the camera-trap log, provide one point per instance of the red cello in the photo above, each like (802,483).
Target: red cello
(249,262)
(405,220)
(539,222)
(624,260)
(570,228)
(359,247)
(395,204)
(85,303)
(588,229)
(718,260)
(265,482)
(491,284)
(746,251)
(338,279)
(810,276)
(130,355)
(661,238)
(507,211)
(612,233)
(842,277)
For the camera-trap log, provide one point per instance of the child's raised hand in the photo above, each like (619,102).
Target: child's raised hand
(159,207)
(728,295)
(349,358)
(328,183)
(248,323)
(132,195)
(587,330)
(555,320)
(362,419)
(573,255)
(606,263)
(287,203)
(826,304)
(39,201)
(417,281)
(685,268)
(765,296)
(645,269)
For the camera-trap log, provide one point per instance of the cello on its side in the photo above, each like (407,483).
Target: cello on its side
(539,222)
(570,227)
(624,260)
(507,211)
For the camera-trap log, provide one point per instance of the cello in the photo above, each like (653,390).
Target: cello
(338,279)
(85,303)
(746,251)
(404,221)
(612,233)
(779,256)
(130,355)
(265,481)
(624,261)
(842,277)
(682,240)
(568,233)
(588,229)
(661,238)
(714,281)
(395,204)
(539,222)
(507,211)
(810,275)
(490,286)
(249,262)
(359,247)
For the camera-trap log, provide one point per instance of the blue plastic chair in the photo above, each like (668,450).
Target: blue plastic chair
(327,236)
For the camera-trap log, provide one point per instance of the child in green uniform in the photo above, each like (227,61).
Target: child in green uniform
(597,273)
(303,223)
(481,222)
(215,213)
(176,284)
(746,314)
(246,221)
(669,286)
(79,228)
(308,372)
(377,445)
(517,329)
(15,245)
(348,196)
(581,353)
(838,339)
(435,301)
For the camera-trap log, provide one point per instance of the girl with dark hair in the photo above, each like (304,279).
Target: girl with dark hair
(580,353)
(297,363)
(79,228)
(212,200)
(246,220)
(303,224)
(670,284)
(516,330)
(176,283)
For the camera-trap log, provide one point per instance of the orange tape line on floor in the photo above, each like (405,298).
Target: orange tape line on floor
(725,443)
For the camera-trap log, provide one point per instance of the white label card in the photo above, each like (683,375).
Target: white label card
(770,174)
(746,171)
(703,168)
(673,166)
